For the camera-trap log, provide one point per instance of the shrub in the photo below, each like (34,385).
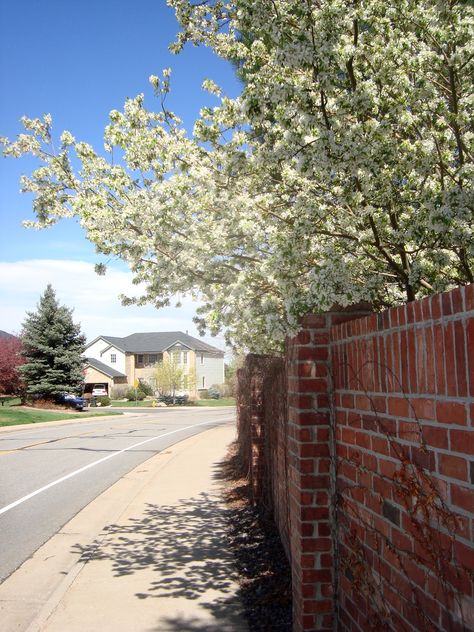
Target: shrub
(144,387)
(134,393)
(102,401)
(225,390)
(179,400)
(213,392)
(119,391)
(203,393)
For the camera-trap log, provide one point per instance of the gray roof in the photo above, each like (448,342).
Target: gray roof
(5,334)
(103,368)
(157,342)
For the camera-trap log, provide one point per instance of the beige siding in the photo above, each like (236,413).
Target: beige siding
(92,376)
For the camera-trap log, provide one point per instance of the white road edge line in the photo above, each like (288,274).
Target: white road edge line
(94,463)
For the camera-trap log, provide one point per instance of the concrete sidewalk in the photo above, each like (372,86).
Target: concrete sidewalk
(147,555)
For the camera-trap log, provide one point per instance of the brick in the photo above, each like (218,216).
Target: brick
(312,419)
(439,356)
(314,482)
(437,437)
(461,360)
(313,385)
(412,360)
(420,360)
(436,310)
(312,353)
(303,337)
(387,468)
(363,440)
(300,401)
(398,406)
(424,458)
(314,321)
(317,605)
(446,303)
(457,300)
(430,362)
(382,364)
(324,465)
(362,402)
(320,338)
(322,401)
(449,350)
(312,449)
(409,431)
(453,466)
(462,441)
(316,544)
(426,308)
(462,497)
(383,487)
(354,420)
(347,400)
(464,554)
(422,408)
(308,591)
(369,423)
(314,513)
(307,466)
(451,413)
(305,369)
(316,575)
(391,383)
(380,445)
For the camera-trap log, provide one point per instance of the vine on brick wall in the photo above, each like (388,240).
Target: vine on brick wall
(427,518)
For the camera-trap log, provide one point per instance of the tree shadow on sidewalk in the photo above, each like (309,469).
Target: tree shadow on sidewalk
(184,547)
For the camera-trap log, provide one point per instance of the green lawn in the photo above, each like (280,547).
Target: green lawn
(223,401)
(117,403)
(12,415)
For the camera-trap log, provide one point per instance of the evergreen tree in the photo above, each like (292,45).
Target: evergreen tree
(52,348)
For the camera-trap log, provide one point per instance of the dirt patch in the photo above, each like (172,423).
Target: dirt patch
(45,404)
(264,572)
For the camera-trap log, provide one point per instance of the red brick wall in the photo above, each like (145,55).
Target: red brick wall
(311,469)
(375,475)
(263,435)
(404,410)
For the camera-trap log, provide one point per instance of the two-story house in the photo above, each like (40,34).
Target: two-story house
(113,361)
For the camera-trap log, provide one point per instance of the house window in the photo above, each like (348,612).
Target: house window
(152,358)
(139,360)
(202,358)
(176,357)
(203,381)
(113,358)
(185,357)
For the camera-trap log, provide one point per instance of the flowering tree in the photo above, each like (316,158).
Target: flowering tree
(10,360)
(343,172)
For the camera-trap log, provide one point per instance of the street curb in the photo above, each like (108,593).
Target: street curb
(57,422)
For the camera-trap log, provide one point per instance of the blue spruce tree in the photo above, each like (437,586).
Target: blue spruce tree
(52,348)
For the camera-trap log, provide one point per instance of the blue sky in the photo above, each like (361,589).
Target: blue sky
(78,60)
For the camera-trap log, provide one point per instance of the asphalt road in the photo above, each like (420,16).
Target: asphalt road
(48,474)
